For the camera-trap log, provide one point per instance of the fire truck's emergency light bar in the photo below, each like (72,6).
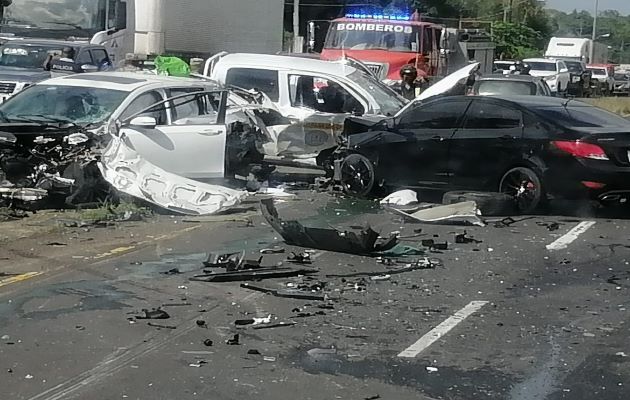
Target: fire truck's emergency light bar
(399,17)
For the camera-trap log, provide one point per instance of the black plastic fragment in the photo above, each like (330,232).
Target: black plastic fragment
(156,313)
(294,233)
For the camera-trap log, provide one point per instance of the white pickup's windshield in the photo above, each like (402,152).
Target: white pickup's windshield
(84,16)
(25,55)
(389,102)
(542,66)
(598,71)
(79,105)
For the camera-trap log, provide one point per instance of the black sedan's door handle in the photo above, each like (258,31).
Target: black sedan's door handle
(437,138)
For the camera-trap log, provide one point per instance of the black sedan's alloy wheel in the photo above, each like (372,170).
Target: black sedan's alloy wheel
(357,175)
(524,185)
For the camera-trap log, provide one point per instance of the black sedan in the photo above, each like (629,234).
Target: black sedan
(530,147)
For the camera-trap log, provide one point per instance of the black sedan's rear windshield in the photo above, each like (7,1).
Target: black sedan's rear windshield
(581,116)
(505,87)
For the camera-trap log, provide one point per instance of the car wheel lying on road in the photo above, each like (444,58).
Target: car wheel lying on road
(523,185)
(489,203)
(357,175)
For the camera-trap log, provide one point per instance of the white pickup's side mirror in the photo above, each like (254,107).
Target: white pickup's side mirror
(143,122)
(89,68)
(564,70)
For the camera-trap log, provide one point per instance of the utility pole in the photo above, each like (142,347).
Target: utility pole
(621,49)
(595,20)
(297,43)
(594,35)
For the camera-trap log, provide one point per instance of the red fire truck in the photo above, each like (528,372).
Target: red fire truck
(385,43)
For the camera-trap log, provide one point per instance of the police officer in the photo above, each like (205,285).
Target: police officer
(411,84)
(408,76)
(66,56)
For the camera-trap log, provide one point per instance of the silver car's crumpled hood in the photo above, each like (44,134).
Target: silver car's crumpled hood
(129,173)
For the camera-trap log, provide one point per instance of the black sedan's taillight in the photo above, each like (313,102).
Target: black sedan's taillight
(581,149)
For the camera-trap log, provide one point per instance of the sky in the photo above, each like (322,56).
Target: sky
(623,6)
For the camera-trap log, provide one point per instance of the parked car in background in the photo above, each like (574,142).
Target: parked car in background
(316,95)
(22,62)
(554,72)
(510,85)
(622,84)
(529,147)
(603,74)
(503,66)
(580,83)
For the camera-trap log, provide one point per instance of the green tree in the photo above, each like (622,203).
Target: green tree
(516,41)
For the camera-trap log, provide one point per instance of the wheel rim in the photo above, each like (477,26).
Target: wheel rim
(356,175)
(523,188)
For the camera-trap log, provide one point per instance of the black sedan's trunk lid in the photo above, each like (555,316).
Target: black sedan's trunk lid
(615,141)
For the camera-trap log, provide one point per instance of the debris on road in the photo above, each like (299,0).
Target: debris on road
(275,325)
(290,294)
(234,341)
(275,250)
(462,238)
(465,213)
(294,233)
(208,342)
(551,226)
(401,198)
(299,258)
(488,203)
(252,274)
(409,267)
(161,326)
(201,323)
(156,313)
(253,321)
(231,261)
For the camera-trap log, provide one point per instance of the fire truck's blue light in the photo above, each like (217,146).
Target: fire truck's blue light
(392,17)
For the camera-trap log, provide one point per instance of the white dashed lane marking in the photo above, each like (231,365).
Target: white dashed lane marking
(434,334)
(565,240)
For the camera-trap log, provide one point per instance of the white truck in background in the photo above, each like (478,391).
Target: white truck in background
(149,28)
(577,49)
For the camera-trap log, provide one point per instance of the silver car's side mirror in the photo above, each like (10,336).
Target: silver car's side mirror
(143,122)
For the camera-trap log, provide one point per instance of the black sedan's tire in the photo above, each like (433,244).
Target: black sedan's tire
(357,175)
(489,203)
(523,185)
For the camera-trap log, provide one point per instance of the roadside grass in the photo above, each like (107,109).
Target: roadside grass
(124,211)
(618,105)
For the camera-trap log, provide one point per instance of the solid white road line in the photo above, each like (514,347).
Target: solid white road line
(434,334)
(564,241)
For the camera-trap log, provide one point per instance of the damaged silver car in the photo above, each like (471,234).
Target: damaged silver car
(152,137)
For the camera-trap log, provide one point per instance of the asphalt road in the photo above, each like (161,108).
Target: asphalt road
(516,316)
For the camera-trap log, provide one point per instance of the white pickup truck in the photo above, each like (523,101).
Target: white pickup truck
(317,96)
(554,72)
